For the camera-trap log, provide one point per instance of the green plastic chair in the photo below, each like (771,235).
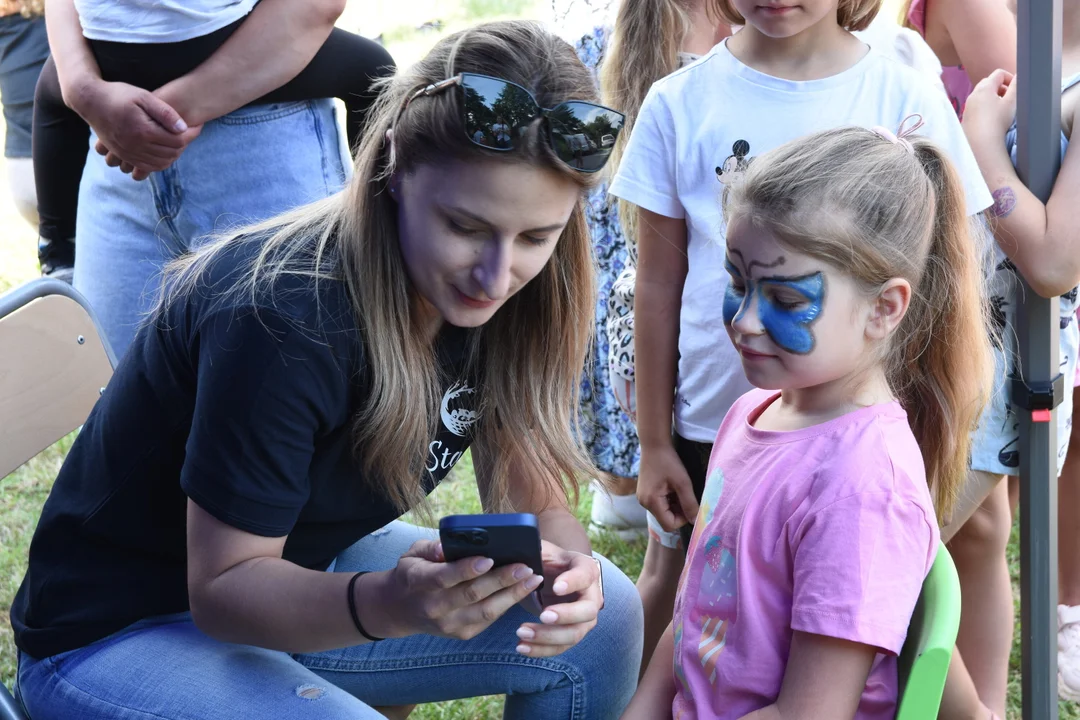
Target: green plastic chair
(924,661)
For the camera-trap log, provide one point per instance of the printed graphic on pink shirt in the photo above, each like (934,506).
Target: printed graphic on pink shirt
(712,609)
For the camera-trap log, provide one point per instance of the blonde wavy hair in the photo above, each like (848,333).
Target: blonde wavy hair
(528,358)
(644,47)
(875,211)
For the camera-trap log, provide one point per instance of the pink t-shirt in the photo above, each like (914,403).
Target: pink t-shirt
(827,530)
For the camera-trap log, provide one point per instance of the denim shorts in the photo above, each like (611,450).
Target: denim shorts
(995,444)
(24,47)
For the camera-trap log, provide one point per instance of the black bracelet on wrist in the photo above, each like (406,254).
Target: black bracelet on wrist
(352,608)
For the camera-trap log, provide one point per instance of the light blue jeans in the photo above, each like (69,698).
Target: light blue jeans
(250,165)
(166,669)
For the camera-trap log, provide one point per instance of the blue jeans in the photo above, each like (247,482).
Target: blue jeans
(247,166)
(164,668)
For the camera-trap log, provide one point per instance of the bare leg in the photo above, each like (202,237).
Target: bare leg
(960,701)
(1068,527)
(657,584)
(1069,567)
(977,488)
(986,624)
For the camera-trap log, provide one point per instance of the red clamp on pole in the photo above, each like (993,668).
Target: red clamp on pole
(1040,416)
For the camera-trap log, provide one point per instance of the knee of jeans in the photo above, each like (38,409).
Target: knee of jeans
(620,626)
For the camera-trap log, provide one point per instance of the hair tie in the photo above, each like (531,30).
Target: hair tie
(902,133)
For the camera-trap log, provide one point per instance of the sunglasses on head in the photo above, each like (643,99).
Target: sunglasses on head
(496,113)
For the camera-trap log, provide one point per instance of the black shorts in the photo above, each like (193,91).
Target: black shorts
(695,458)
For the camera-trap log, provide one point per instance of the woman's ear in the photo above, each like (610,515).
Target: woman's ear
(394,184)
(888,308)
(390,145)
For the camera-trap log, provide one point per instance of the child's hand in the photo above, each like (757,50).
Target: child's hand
(664,488)
(991,107)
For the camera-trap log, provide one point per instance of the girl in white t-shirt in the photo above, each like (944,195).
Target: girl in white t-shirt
(650,39)
(792,70)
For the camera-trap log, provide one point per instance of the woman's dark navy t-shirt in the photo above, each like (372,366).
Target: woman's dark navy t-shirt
(249,415)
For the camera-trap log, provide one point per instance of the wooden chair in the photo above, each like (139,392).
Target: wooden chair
(54,364)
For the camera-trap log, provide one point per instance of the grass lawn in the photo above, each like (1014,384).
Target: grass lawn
(23,492)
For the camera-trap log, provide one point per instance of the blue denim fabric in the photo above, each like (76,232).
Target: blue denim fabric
(166,669)
(23,49)
(250,165)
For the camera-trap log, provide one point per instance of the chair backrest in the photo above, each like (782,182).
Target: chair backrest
(924,661)
(54,365)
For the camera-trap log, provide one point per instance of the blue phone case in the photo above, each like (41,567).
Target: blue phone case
(505,538)
(493,520)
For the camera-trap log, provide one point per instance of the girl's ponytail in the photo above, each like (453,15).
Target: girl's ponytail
(943,366)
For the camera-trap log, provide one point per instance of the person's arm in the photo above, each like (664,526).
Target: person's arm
(143,130)
(265,389)
(656,692)
(75,64)
(241,590)
(983,33)
(273,44)
(573,596)
(824,680)
(1043,241)
(662,268)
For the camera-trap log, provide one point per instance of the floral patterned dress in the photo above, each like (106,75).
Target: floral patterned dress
(608,432)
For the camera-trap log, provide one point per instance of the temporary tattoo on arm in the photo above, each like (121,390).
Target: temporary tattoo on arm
(1004,202)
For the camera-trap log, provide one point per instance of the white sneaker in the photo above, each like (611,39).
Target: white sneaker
(622,515)
(1069,652)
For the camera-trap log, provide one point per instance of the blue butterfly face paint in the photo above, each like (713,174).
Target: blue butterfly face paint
(786,306)
(734,300)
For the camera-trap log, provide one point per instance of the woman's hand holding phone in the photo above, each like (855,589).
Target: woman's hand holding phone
(460,599)
(573,598)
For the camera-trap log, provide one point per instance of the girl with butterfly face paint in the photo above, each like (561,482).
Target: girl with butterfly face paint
(855,304)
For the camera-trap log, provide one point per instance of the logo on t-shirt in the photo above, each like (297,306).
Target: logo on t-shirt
(457,413)
(735,163)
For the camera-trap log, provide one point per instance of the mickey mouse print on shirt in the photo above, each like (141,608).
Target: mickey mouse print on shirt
(734,164)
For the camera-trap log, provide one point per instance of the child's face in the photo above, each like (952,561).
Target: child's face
(786,18)
(796,321)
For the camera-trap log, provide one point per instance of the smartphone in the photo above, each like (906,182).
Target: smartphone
(507,539)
